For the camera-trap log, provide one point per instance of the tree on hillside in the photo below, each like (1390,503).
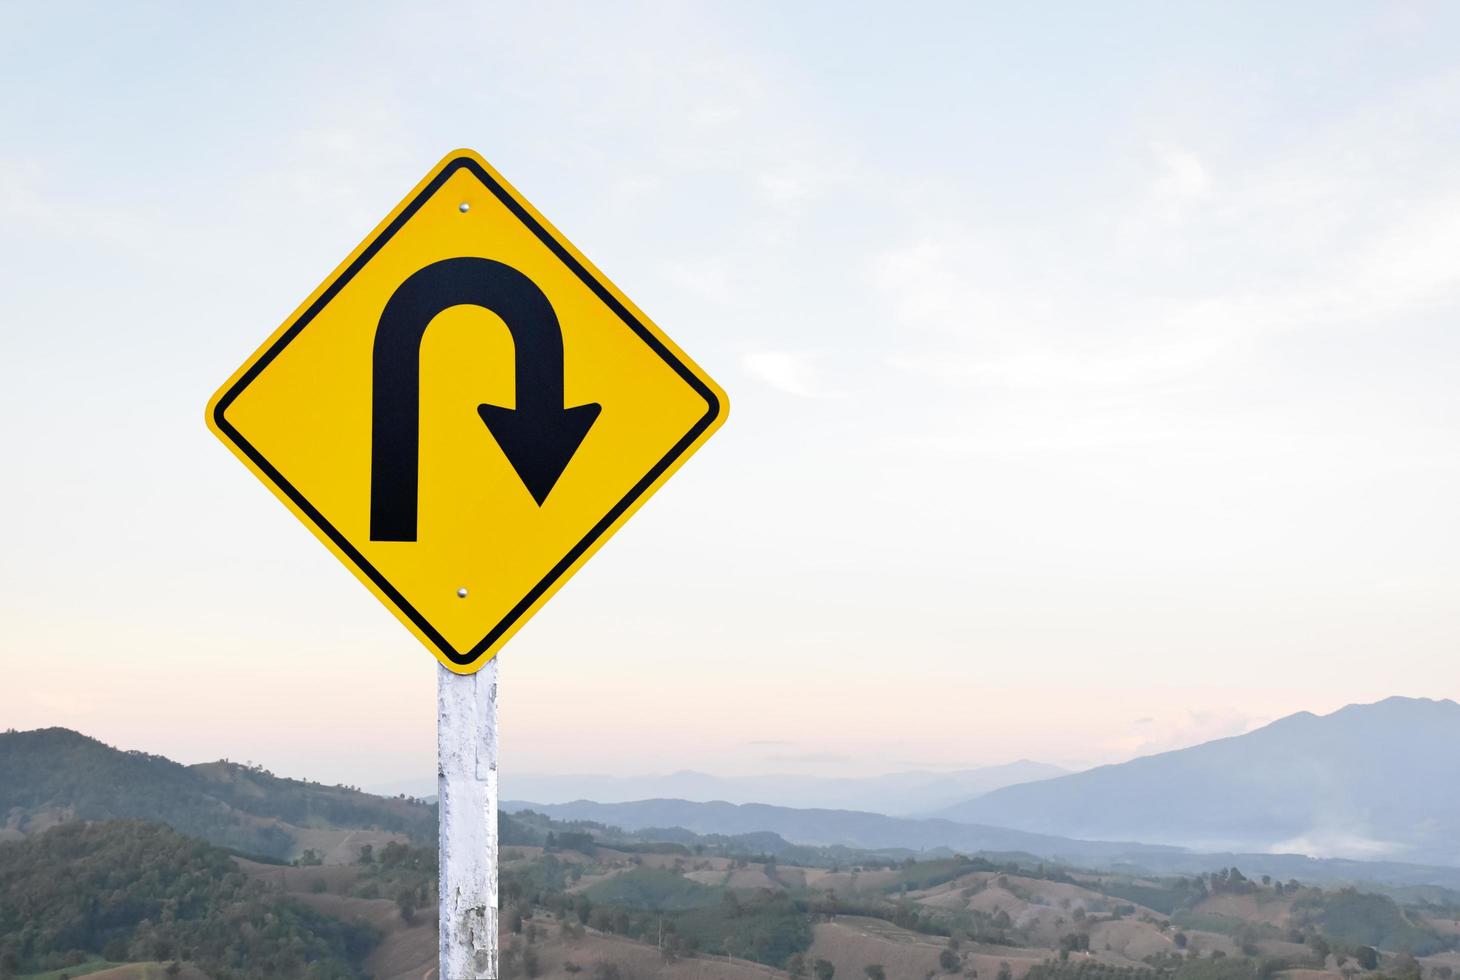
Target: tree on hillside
(824,970)
(1073,942)
(405,901)
(875,971)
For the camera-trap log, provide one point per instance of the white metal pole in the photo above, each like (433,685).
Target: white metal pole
(466,783)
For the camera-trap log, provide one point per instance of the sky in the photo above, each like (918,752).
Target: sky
(1092,371)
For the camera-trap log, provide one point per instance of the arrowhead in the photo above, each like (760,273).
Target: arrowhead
(538,444)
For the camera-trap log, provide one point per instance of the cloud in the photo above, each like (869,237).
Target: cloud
(792,373)
(1129,328)
(1181,179)
(783,186)
(1319,843)
(942,283)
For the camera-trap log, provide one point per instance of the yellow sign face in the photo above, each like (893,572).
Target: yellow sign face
(465,410)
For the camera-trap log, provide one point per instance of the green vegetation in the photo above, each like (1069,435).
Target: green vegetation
(653,889)
(74,971)
(1227,968)
(57,772)
(918,875)
(130,891)
(660,906)
(570,840)
(1089,970)
(768,928)
(398,872)
(1356,918)
(1165,898)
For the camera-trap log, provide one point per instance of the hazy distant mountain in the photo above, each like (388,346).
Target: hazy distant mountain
(1375,781)
(878,832)
(897,793)
(827,827)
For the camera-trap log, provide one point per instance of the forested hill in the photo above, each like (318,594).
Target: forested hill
(133,891)
(54,775)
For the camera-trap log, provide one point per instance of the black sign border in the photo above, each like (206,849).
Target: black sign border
(477,651)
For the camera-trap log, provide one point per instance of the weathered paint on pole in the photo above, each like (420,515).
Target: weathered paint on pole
(466,781)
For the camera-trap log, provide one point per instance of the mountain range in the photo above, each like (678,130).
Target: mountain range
(1378,782)
(1370,781)
(821,827)
(898,793)
(778,827)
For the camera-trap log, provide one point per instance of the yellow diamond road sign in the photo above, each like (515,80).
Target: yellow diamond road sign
(465,410)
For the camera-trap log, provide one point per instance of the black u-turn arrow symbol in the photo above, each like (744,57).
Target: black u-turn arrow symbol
(539,436)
